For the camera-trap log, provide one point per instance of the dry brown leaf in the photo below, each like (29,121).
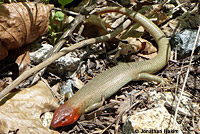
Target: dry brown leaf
(149,56)
(3,84)
(135,31)
(21,57)
(22,23)
(22,112)
(161,18)
(135,45)
(149,48)
(149,51)
(94,26)
(23,61)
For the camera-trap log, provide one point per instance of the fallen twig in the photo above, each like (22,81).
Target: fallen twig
(63,38)
(60,43)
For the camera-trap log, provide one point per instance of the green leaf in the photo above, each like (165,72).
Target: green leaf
(46,1)
(59,16)
(50,28)
(64,2)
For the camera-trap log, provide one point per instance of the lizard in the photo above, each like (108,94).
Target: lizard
(89,97)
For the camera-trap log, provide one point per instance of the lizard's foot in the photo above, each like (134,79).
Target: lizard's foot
(151,77)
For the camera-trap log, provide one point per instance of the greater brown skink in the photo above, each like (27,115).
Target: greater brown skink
(110,81)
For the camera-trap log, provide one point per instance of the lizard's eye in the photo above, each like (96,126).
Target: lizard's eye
(63,120)
(124,41)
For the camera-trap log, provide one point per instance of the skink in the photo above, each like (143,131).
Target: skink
(110,81)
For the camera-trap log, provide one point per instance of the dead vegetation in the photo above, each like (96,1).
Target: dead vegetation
(99,49)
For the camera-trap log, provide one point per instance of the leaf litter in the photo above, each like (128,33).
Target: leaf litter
(106,120)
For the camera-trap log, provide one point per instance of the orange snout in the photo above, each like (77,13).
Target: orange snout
(64,115)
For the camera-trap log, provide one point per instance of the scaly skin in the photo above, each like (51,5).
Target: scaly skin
(110,81)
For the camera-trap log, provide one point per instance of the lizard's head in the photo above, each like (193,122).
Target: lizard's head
(64,115)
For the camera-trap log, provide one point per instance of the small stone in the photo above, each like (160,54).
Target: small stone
(46,119)
(61,66)
(184,41)
(154,121)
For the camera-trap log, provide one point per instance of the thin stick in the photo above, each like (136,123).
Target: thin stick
(186,76)
(60,43)
(55,95)
(66,11)
(181,5)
